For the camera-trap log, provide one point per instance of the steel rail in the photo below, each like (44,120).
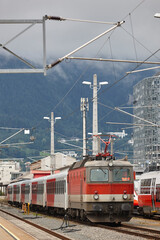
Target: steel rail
(123,228)
(134,231)
(55,234)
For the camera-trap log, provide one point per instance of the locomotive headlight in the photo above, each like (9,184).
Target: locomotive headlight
(110,164)
(96,196)
(125,196)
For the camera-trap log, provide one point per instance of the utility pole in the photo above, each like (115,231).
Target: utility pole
(95,148)
(53,164)
(52,134)
(95,143)
(52,157)
(84,108)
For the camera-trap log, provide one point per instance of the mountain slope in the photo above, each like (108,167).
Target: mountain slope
(26,98)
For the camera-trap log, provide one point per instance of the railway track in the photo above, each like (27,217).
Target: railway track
(53,233)
(135,231)
(123,228)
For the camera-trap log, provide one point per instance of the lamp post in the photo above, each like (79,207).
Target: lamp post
(96,88)
(84,108)
(53,121)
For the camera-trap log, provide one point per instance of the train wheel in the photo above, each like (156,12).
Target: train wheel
(82,215)
(77,213)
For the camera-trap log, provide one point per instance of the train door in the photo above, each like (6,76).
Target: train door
(44,194)
(82,184)
(153,192)
(81,192)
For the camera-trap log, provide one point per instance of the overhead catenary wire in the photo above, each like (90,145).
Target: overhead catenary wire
(142,70)
(110,86)
(120,110)
(144,120)
(134,44)
(78,79)
(12,136)
(140,63)
(111,33)
(106,89)
(137,6)
(111,60)
(75,84)
(139,42)
(133,124)
(84,45)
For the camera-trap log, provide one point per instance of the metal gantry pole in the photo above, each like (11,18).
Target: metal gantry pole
(52,141)
(52,133)
(84,108)
(44,45)
(95,117)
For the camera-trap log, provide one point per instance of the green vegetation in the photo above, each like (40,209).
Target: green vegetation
(26,98)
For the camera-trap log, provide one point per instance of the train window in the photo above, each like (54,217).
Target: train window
(27,189)
(61,187)
(99,175)
(40,188)
(34,188)
(64,186)
(145,186)
(23,189)
(50,187)
(9,190)
(16,189)
(158,193)
(121,175)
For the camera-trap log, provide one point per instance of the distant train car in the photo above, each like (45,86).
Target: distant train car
(149,193)
(99,190)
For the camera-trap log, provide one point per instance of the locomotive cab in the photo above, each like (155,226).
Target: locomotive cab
(106,192)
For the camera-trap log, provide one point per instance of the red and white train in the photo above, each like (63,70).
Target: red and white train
(149,193)
(100,190)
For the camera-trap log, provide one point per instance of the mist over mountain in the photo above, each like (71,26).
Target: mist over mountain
(26,98)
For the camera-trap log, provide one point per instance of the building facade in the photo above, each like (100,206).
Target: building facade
(60,160)
(146,93)
(8,171)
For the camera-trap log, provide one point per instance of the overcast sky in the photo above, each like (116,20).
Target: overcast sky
(63,37)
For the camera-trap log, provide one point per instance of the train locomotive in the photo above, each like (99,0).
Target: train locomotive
(97,188)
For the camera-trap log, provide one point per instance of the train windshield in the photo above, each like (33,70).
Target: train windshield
(99,175)
(121,174)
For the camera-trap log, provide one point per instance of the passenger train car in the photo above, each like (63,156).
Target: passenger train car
(136,183)
(149,193)
(99,190)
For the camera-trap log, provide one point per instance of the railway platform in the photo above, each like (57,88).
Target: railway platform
(10,231)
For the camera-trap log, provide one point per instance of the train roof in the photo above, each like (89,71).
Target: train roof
(89,161)
(118,163)
(56,175)
(152,174)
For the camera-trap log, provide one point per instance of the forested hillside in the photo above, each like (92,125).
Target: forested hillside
(26,98)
